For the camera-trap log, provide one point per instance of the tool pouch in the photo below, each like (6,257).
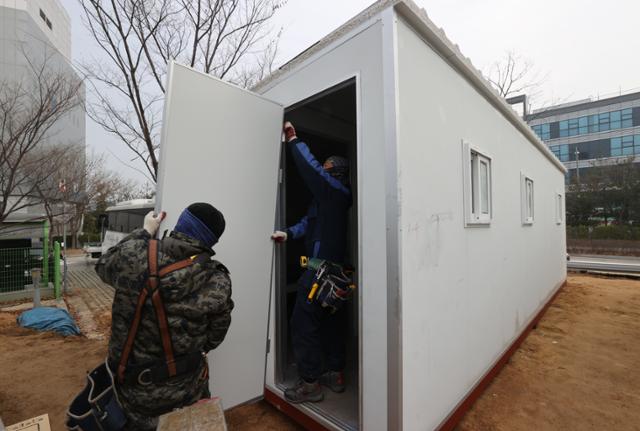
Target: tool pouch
(96,408)
(335,290)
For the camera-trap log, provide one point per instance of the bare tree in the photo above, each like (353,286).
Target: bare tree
(29,111)
(223,38)
(513,75)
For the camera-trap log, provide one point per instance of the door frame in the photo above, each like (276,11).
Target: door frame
(279,271)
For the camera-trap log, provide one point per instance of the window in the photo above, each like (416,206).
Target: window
(543,131)
(559,208)
(616,147)
(42,15)
(527,197)
(593,123)
(573,127)
(627,145)
(603,121)
(627,117)
(477,186)
(546,131)
(583,125)
(49,24)
(564,128)
(615,119)
(564,153)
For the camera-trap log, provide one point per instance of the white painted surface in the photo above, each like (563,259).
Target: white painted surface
(467,292)
(359,53)
(221,145)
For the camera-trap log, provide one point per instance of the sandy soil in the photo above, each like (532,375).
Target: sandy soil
(41,372)
(577,371)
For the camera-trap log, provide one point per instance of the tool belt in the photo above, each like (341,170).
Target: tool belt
(96,408)
(332,284)
(171,366)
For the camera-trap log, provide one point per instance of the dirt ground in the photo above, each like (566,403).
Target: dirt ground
(41,372)
(577,371)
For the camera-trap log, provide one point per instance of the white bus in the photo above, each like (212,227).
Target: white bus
(122,219)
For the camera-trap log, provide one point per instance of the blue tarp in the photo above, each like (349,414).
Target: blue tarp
(49,319)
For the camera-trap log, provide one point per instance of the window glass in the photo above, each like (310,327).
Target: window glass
(627,117)
(583,125)
(593,123)
(627,145)
(603,120)
(558,208)
(615,119)
(616,147)
(564,129)
(564,153)
(484,187)
(529,198)
(573,127)
(546,131)
(636,140)
(474,185)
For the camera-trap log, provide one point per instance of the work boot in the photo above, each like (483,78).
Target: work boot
(303,392)
(334,380)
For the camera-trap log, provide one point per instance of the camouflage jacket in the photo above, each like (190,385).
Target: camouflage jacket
(198,304)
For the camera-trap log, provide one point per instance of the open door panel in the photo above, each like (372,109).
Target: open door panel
(221,144)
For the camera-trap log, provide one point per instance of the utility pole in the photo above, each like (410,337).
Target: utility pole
(577,153)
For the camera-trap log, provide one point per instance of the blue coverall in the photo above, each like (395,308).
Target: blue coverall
(317,333)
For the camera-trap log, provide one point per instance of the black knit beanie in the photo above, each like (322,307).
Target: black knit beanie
(210,216)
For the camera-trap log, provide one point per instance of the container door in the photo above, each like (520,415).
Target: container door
(221,144)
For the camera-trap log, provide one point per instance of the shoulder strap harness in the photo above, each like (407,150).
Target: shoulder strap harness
(152,288)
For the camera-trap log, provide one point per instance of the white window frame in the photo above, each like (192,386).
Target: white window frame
(528,206)
(559,207)
(473,214)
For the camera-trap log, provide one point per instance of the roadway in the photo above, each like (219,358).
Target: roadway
(613,264)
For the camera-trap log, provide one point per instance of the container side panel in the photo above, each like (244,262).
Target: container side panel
(467,292)
(359,55)
(221,145)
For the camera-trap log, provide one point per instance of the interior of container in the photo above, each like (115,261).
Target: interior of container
(327,123)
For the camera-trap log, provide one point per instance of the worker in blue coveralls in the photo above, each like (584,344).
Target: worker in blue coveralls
(318,335)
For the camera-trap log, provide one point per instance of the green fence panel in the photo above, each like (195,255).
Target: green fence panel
(15,268)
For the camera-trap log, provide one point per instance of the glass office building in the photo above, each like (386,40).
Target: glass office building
(588,132)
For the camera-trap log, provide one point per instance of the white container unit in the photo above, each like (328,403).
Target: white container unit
(456,230)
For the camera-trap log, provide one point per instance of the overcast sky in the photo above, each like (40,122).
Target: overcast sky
(585,48)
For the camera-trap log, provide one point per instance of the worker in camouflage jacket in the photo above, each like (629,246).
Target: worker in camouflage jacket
(197,302)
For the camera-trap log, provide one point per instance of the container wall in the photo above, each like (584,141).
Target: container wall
(467,292)
(360,55)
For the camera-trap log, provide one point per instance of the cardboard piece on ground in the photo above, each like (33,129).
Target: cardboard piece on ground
(39,423)
(205,415)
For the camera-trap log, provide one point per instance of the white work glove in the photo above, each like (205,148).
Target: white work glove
(279,236)
(289,132)
(152,222)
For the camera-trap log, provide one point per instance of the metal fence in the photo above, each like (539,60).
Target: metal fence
(16,265)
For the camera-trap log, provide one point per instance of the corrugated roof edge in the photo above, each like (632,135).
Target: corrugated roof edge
(436,37)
